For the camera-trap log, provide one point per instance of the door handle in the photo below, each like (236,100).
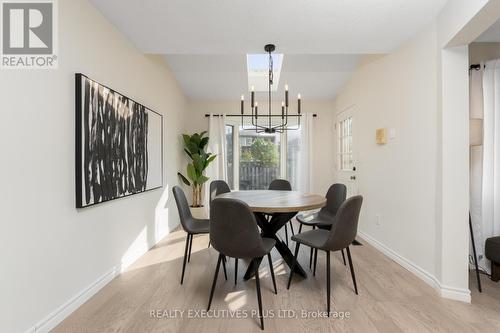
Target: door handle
(353,177)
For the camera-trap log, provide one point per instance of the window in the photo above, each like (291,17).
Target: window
(259,160)
(258,71)
(292,158)
(256,159)
(230,154)
(345,159)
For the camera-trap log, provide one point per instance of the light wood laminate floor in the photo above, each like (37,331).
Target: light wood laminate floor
(390,298)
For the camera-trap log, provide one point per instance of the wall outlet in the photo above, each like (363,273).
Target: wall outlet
(392,134)
(377,219)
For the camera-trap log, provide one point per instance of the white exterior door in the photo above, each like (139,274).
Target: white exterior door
(346,166)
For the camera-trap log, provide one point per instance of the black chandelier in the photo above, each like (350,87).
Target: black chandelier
(269,128)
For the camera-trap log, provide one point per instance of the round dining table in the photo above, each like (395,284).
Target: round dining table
(281,206)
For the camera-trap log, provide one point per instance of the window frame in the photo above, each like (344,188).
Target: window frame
(236,123)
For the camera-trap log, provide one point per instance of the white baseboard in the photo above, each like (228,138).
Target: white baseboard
(407,264)
(58,315)
(456,294)
(444,291)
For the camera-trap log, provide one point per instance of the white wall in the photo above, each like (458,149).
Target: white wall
(398,180)
(456,17)
(50,251)
(482,52)
(459,24)
(452,227)
(324,142)
(419,183)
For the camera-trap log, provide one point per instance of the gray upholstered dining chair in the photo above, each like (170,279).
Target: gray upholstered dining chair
(323,219)
(190,225)
(282,185)
(218,187)
(234,232)
(339,237)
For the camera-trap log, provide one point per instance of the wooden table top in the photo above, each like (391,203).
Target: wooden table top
(267,201)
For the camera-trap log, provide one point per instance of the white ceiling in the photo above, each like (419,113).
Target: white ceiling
(224,77)
(206,41)
(492,35)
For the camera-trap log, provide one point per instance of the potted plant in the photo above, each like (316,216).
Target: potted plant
(195,147)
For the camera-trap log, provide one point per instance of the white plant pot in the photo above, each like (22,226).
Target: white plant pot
(199,212)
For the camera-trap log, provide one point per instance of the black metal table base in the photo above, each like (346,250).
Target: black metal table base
(269,229)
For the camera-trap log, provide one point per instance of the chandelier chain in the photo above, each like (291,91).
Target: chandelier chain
(270,128)
(271,76)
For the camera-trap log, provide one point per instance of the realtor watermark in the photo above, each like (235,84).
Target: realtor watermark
(242,314)
(29,34)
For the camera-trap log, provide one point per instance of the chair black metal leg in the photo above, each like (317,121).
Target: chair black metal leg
(297,245)
(272,272)
(300,228)
(208,244)
(214,282)
(259,299)
(352,270)
(224,266)
(475,255)
(291,228)
(343,256)
(190,246)
(286,235)
(315,260)
(328,282)
(235,270)
(185,257)
(311,254)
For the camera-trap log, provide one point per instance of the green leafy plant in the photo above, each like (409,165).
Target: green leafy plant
(261,151)
(195,147)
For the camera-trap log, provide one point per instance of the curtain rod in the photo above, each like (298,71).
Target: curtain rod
(263,115)
(475,67)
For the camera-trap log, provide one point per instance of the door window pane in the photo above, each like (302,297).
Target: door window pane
(345,144)
(259,159)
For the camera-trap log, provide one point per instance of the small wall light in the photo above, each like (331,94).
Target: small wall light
(381,136)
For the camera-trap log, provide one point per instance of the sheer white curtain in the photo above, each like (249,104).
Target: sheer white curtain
(476,163)
(217,170)
(491,152)
(305,156)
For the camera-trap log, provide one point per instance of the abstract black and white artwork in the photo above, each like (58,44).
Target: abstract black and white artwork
(119,150)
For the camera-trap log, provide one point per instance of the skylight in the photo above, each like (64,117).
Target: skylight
(258,71)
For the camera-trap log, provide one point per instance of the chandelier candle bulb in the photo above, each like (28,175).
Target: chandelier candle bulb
(256,112)
(252,98)
(286,95)
(242,103)
(282,110)
(298,104)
